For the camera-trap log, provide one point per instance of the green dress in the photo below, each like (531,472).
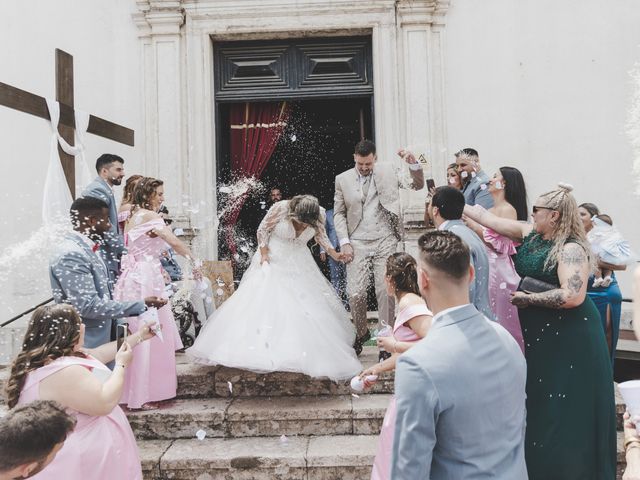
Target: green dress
(571,424)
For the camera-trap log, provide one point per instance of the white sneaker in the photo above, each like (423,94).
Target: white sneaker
(597,283)
(606,281)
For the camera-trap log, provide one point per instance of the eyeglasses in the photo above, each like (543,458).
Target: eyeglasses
(535,209)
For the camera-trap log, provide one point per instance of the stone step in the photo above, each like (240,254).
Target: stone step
(202,381)
(346,457)
(262,416)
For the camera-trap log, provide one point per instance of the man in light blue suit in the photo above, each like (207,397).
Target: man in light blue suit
(337,270)
(79,276)
(460,391)
(475,181)
(446,210)
(110,170)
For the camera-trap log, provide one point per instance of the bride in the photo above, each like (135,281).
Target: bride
(285,316)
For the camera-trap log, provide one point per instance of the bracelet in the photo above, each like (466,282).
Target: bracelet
(633,440)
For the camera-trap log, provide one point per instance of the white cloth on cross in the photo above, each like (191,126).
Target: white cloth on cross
(57,196)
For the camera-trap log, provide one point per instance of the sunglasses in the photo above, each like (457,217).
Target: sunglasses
(535,209)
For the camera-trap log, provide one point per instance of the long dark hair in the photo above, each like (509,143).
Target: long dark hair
(515,191)
(591,208)
(53,332)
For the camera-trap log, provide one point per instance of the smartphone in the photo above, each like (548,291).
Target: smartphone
(430,184)
(121,334)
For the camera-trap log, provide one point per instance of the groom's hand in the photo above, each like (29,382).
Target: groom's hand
(347,252)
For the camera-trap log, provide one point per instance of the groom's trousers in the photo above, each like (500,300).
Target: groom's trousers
(370,255)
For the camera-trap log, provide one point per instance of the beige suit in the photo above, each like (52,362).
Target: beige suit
(367,215)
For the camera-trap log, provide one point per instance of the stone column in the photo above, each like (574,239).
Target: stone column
(160,23)
(421,79)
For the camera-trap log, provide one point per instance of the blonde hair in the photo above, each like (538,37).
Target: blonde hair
(568,228)
(305,209)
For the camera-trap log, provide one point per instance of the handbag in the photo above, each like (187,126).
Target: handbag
(533,285)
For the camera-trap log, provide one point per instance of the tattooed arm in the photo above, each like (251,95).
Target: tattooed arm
(573,271)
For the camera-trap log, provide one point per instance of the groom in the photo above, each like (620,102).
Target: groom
(367,219)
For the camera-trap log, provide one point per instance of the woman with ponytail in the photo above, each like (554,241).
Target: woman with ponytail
(53,366)
(411,324)
(571,423)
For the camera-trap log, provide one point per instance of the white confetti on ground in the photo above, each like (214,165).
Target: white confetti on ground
(201,434)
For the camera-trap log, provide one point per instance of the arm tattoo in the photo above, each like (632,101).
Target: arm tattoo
(575,283)
(551,299)
(573,254)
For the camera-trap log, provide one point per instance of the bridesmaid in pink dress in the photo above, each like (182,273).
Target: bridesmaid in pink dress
(152,376)
(52,366)
(411,325)
(510,201)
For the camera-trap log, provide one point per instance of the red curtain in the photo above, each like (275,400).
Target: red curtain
(256,129)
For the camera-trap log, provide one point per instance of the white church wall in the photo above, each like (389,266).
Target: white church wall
(103,41)
(544,86)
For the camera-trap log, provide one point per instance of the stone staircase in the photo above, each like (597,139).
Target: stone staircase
(261,426)
(280,426)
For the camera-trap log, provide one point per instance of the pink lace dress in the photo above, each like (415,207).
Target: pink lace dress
(151,377)
(503,280)
(100,448)
(402,333)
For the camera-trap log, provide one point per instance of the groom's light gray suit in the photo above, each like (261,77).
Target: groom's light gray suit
(366,214)
(113,245)
(460,396)
(79,277)
(479,288)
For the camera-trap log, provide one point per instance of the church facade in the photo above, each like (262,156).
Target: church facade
(179,45)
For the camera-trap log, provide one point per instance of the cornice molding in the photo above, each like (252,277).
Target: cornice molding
(159,17)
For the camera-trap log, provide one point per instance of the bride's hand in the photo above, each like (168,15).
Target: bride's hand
(264,258)
(337,256)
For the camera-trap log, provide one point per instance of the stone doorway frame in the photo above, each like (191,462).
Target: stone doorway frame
(177,59)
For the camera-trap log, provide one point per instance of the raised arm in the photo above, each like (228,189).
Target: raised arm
(573,272)
(415,169)
(513,229)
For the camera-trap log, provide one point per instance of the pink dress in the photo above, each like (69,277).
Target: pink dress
(503,280)
(100,448)
(151,377)
(402,333)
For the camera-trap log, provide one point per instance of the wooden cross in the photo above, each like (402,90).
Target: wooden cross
(17,99)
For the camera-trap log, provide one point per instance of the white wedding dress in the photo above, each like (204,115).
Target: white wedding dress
(285,316)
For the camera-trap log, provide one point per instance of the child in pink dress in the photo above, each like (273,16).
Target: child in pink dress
(411,325)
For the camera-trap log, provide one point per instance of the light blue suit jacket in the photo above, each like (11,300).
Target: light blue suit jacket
(79,277)
(460,397)
(479,288)
(474,194)
(113,246)
(331,229)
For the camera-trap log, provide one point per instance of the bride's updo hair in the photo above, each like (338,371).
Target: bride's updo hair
(402,269)
(305,209)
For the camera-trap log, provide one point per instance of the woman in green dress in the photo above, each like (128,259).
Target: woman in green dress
(571,425)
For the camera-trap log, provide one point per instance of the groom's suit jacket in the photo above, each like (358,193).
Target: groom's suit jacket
(113,245)
(347,203)
(79,277)
(460,397)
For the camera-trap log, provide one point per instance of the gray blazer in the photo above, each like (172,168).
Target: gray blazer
(460,397)
(347,201)
(113,246)
(479,288)
(474,194)
(79,277)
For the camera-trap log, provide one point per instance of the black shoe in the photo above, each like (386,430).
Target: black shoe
(383,355)
(359,343)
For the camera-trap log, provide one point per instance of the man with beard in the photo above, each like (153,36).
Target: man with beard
(110,170)
(80,278)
